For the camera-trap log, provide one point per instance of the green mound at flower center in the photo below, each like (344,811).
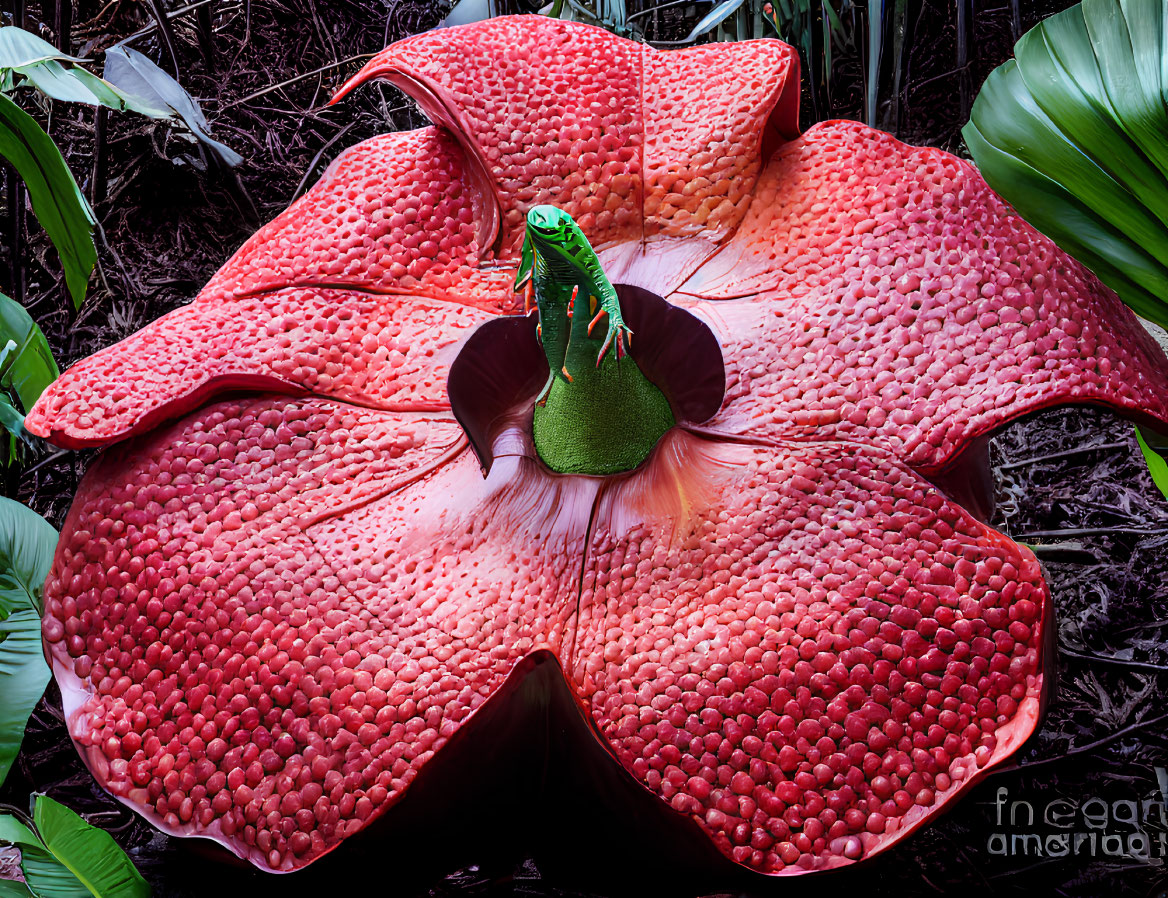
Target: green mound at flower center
(597,413)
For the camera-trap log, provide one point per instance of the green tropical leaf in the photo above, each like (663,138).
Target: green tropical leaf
(14,832)
(57,201)
(1155,450)
(91,854)
(20,48)
(58,83)
(713,19)
(23,678)
(13,421)
(80,86)
(116,98)
(1072,135)
(10,889)
(27,545)
(39,62)
(48,878)
(28,367)
(1136,101)
(875,46)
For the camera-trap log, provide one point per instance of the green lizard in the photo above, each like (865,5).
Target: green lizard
(597,413)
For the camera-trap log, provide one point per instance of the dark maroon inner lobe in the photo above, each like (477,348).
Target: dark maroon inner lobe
(501,367)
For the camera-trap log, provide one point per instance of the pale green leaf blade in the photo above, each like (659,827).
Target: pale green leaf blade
(56,199)
(875,45)
(115,98)
(136,75)
(1066,35)
(1137,105)
(40,63)
(19,48)
(57,82)
(13,422)
(713,19)
(23,678)
(1145,27)
(1163,55)
(467,11)
(91,854)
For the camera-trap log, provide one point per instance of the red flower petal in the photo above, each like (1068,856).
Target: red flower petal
(547,110)
(812,659)
(387,352)
(896,300)
(399,213)
(280,606)
(712,114)
(393,216)
(634,143)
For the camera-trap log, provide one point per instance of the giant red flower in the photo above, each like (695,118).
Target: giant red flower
(267,616)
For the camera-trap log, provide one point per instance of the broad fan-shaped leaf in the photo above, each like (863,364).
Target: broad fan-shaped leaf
(1072,134)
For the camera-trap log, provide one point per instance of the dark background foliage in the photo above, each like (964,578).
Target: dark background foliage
(1070,483)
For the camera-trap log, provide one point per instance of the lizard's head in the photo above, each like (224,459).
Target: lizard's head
(547,224)
(554,238)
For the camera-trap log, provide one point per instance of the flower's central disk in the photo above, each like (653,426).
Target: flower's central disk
(597,413)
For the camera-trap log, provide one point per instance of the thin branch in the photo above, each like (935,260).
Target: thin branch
(1088,531)
(1066,453)
(1110,659)
(1091,746)
(659,7)
(153,26)
(61,453)
(274,87)
(316,159)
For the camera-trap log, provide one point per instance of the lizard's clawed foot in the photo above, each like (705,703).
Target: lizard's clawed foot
(619,333)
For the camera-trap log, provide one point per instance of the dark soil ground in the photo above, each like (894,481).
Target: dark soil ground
(1069,482)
